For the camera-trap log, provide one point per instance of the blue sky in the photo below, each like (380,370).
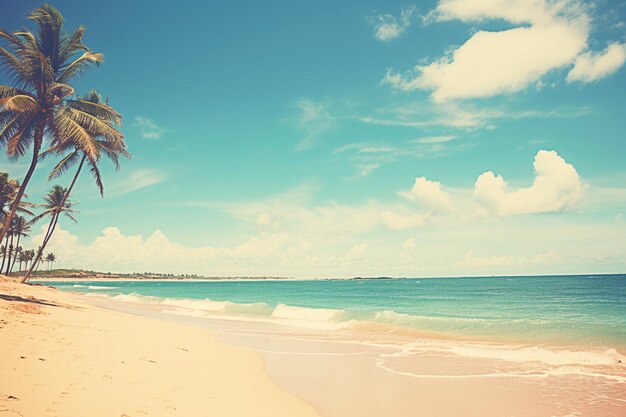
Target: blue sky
(286,138)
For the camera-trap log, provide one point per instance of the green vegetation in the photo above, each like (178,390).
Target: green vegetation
(41,115)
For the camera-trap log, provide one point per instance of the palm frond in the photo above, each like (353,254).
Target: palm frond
(99,110)
(60,90)
(20,103)
(95,172)
(8,91)
(13,68)
(96,126)
(10,128)
(66,128)
(37,66)
(80,65)
(63,165)
(50,23)
(13,40)
(19,143)
(73,43)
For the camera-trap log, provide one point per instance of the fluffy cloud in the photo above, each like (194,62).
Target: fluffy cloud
(116,251)
(556,187)
(554,35)
(429,194)
(592,66)
(388,27)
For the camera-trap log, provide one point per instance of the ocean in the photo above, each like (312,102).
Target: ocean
(580,310)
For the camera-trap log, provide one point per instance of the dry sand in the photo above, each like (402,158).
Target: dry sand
(60,357)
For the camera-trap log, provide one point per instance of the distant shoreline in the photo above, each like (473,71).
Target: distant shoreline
(102,277)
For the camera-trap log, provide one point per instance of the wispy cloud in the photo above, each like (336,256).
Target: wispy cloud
(388,27)
(313,119)
(459,116)
(367,157)
(137,180)
(148,128)
(434,139)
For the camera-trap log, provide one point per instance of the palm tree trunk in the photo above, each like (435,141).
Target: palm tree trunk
(51,226)
(10,249)
(17,245)
(4,256)
(29,174)
(53,222)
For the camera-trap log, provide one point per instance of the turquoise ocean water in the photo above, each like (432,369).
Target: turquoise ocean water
(577,310)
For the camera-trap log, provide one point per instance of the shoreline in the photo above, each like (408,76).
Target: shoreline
(61,355)
(345,373)
(35,278)
(337,372)
(328,317)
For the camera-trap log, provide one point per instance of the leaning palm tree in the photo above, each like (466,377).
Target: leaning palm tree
(56,203)
(103,136)
(35,108)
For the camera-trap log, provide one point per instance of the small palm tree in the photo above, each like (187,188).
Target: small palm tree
(40,67)
(51,258)
(56,204)
(23,259)
(8,190)
(19,228)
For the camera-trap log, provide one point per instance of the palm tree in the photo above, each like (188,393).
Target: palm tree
(23,259)
(51,258)
(3,253)
(56,204)
(28,256)
(8,190)
(103,136)
(20,227)
(35,108)
(16,254)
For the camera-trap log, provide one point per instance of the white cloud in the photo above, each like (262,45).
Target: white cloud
(556,187)
(313,119)
(472,261)
(495,62)
(293,235)
(402,221)
(435,139)
(430,195)
(547,35)
(137,180)
(592,66)
(356,251)
(148,128)
(388,27)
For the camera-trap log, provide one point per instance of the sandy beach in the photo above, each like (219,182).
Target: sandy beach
(61,357)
